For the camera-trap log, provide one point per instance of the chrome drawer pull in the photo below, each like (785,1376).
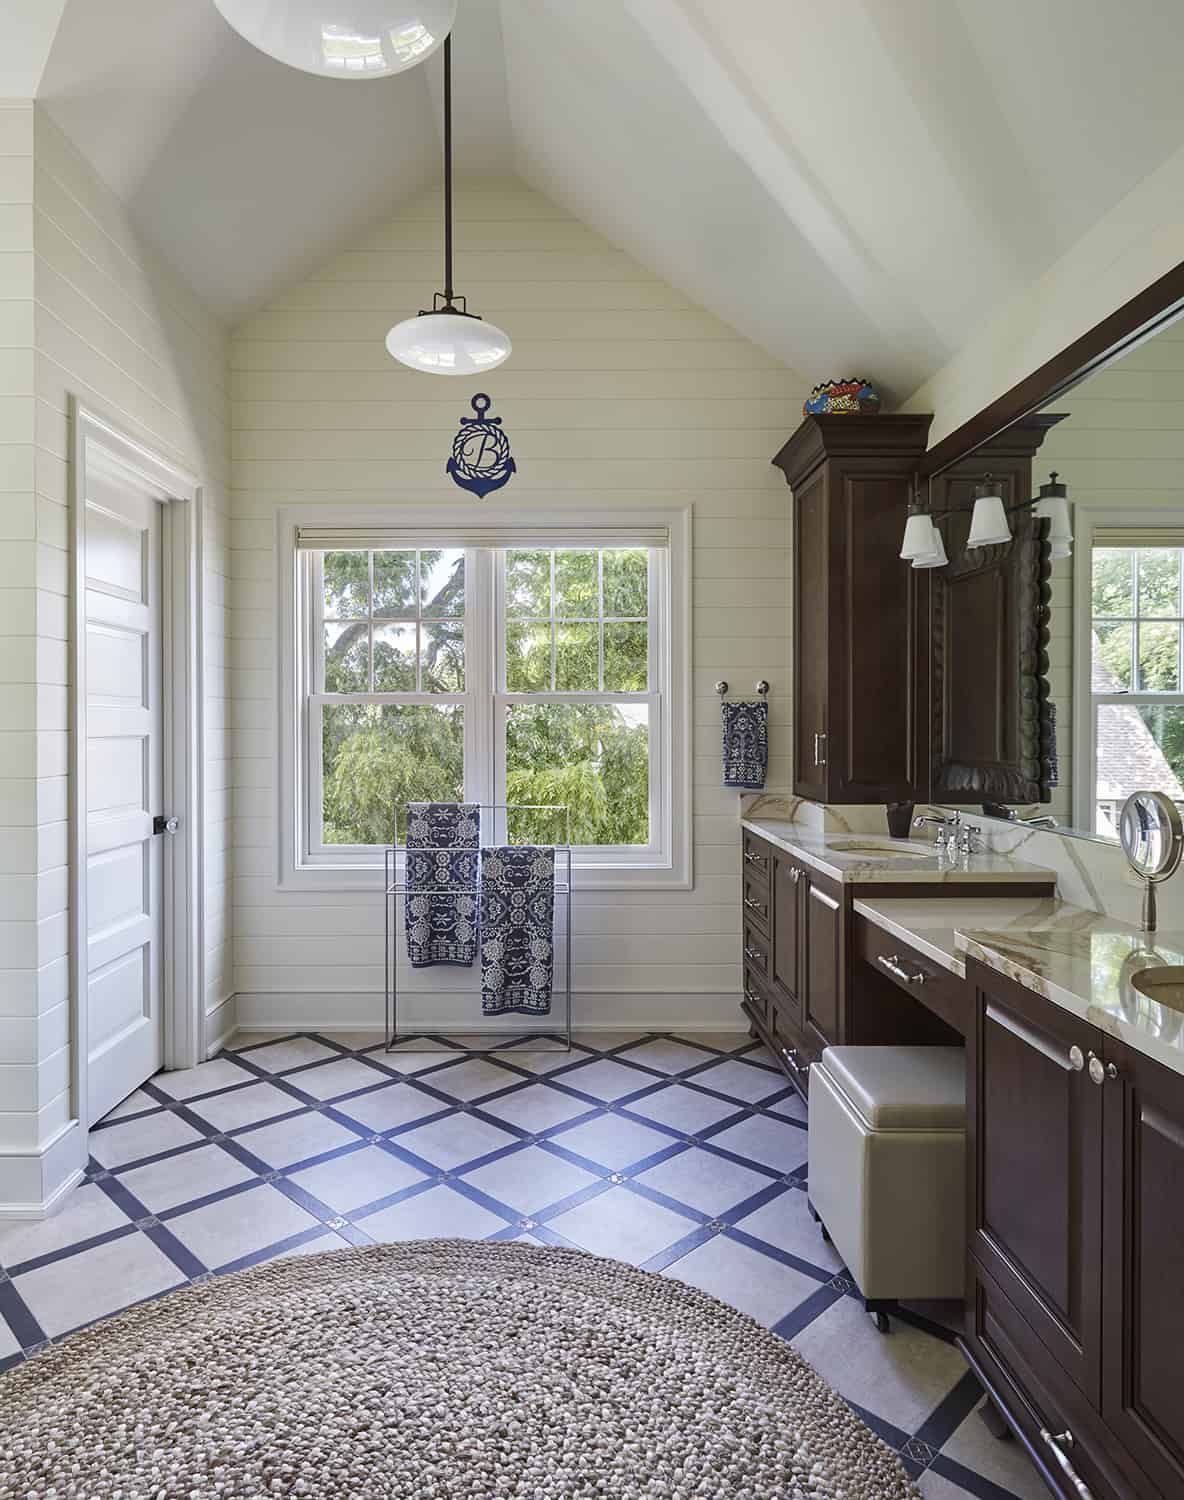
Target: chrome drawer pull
(896,968)
(754,859)
(754,905)
(790,1055)
(752,997)
(1058,1442)
(754,955)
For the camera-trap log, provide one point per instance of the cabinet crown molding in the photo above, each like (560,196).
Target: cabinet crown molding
(896,440)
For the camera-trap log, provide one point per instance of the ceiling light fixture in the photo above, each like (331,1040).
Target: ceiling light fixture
(447,339)
(343,38)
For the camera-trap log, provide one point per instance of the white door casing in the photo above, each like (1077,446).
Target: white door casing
(137,751)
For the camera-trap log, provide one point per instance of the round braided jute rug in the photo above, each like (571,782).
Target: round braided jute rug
(436,1370)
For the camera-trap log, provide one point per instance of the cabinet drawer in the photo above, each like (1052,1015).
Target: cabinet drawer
(1040,1398)
(791,1047)
(945,994)
(756,950)
(755,997)
(756,901)
(757,857)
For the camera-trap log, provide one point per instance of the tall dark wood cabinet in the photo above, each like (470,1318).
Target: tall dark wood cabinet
(861,698)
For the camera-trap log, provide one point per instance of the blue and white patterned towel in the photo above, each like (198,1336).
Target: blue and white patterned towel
(746,745)
(442,927)
(517,917)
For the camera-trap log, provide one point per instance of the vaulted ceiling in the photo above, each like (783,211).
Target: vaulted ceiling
(854,186)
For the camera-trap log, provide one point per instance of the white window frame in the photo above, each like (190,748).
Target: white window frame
(666,862)
(1086,523)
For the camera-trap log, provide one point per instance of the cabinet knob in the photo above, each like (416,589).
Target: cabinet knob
(1076,1059)
(1111,1071)
(795,875)
(1097,1069)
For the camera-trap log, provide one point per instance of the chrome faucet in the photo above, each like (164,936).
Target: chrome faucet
(946,837)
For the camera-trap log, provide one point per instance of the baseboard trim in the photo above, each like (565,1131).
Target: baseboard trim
(35,1183)
(220,1024)
(592,1011)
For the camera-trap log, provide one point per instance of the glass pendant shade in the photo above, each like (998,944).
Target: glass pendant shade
(918,537)
(447,343)
(343,38)
(988,523)
(937,556)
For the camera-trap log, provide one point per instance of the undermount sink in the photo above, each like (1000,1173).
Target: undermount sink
(1163,985)
(883,851)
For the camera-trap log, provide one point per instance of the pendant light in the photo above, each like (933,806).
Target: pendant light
(447,339)
(343,38)
(988,520)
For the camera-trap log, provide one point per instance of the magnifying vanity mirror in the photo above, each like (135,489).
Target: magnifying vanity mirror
(1152,838)
(1057,619)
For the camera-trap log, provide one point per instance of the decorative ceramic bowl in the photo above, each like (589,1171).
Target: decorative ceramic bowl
(839,397)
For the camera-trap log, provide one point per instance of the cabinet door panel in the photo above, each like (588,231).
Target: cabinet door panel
(786,897)
(1143,1266)
(810,630)
(822,997)
(1035,1122)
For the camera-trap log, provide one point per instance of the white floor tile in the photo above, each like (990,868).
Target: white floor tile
(611,1141)
(249,1106)
(472,1079)
(683,1109)
(8,1340)
(132,1139)
(96,1282)
(323,1242)
(667,1056)
(456,1139)
(706,1182)
(134,1104)
(393,1104)
(440,1213)
(935,1487)
(276,1057)
(755,1283)
(792,1107)
(530,1179)
(236,1226)
(901,1375)
(759,1138)
(541,1062)
(340,1077)
(357,1178)
(289,1141)
(742,1080)
(173,1181)
(536,1108)
(218,1073)
(87,1211)
(622,1225)
(408,1059)
(608,1080)
(720,1041)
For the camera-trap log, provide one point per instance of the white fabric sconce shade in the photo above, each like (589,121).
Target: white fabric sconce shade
(447,343)
(936,557)
(352,39)
(988,520)
(1053,507)
(918,537)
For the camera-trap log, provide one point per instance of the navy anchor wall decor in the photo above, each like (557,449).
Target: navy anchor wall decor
(481,459)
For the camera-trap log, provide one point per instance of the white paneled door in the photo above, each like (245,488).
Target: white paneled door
(122,965)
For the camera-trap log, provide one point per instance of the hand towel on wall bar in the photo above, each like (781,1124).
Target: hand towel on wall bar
(746,744)
(442,927)
(517,916)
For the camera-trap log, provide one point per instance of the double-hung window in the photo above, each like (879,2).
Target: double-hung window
(535,671)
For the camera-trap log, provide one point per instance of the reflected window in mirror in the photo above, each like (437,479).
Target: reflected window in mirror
(1133,646)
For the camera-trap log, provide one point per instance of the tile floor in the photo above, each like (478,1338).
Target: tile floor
(684,1155)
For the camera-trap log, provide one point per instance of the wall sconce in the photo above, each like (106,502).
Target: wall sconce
(924,547)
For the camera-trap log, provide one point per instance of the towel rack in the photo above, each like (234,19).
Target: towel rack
(761,687)
(503,1039)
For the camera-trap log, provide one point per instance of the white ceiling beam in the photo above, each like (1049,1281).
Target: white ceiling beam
(27,30)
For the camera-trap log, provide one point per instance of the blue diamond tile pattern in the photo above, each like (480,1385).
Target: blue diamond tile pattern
(684,1157)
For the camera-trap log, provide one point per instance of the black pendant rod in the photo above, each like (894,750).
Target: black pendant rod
(448,169)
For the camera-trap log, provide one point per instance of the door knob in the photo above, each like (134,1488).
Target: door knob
(1097,1069)
(1076,1059)
(163,824)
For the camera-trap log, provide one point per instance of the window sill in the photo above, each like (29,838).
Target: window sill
(591,877)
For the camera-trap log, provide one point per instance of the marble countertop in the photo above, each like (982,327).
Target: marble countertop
(856,859)
(1080,960)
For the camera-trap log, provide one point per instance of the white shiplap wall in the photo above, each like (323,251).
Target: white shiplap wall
(620,392)
(103,321)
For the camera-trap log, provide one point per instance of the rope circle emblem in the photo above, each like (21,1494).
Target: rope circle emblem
(481,460)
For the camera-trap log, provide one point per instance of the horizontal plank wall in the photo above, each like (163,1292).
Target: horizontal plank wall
(108,324)
(619,393)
